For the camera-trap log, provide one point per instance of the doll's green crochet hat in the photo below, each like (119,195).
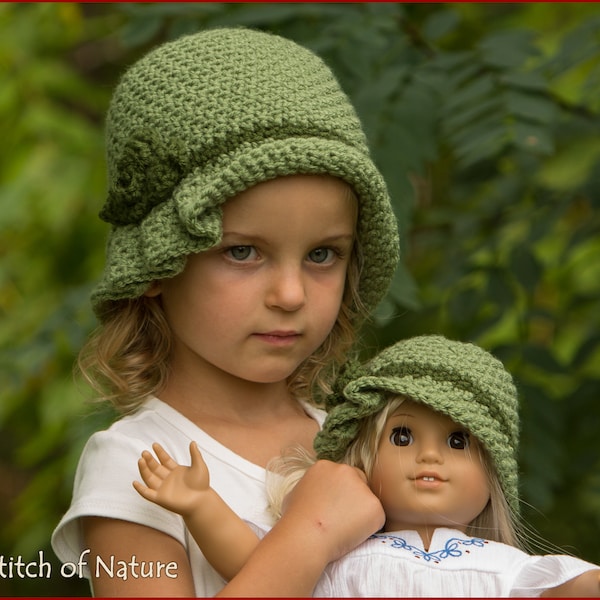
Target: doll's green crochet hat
(460,380)
(202,118)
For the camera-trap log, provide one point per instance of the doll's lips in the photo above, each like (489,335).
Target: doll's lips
(429,476)
(428,481)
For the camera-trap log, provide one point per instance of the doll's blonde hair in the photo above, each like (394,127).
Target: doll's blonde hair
(496,522)
(126,359)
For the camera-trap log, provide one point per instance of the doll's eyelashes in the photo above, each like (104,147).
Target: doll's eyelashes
(401,436)
(459,440)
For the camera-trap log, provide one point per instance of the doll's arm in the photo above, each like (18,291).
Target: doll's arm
(225,540)
(586,585)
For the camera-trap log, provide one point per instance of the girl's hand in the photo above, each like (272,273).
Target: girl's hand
(170,485)
(329,512)
(336,500)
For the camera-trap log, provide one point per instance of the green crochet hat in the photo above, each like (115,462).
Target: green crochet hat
(457,379)
(201,119)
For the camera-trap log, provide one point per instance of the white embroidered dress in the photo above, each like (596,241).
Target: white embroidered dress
(455,565)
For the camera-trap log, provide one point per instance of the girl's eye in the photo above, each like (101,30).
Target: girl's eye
(458,440)
(240,252)
(321,255)
(401,436)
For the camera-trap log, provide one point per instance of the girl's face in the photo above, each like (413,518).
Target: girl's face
(428,472)
(257,305)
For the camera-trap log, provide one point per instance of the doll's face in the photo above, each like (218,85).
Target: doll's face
(429,472)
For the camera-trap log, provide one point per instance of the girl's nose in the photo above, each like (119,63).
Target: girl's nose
(286,289)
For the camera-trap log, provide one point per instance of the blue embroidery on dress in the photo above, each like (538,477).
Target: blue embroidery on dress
(450,550)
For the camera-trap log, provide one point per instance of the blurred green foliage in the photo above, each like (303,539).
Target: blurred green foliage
(484,118)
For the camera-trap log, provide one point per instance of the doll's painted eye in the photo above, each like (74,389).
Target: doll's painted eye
(401,436)
(458,440)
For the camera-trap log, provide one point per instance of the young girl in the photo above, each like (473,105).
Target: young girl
(433,423)
(251,233)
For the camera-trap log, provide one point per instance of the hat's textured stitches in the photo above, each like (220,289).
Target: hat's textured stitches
(200,119)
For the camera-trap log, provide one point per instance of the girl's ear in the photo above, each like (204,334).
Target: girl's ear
(154,290)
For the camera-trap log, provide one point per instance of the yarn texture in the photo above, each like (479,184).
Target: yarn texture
(201,119)
(460,380)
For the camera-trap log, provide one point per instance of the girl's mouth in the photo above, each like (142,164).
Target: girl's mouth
(279,338)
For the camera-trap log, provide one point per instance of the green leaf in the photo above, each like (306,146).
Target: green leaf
(440,24)
(507,49)
(474,92)
(532,107)
(480,143)
(467,115)
(499,289)
(533,138)
(525,267)
(141,31)
(532,81)
(541,358)
(463,305)
(404,289)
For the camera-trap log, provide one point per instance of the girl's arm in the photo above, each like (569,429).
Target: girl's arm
(118,543)
(329,512)
(586,585)
(225,540)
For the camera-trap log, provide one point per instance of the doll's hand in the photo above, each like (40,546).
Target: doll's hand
(170,485)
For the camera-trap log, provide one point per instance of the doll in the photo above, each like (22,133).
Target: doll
(433,423)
